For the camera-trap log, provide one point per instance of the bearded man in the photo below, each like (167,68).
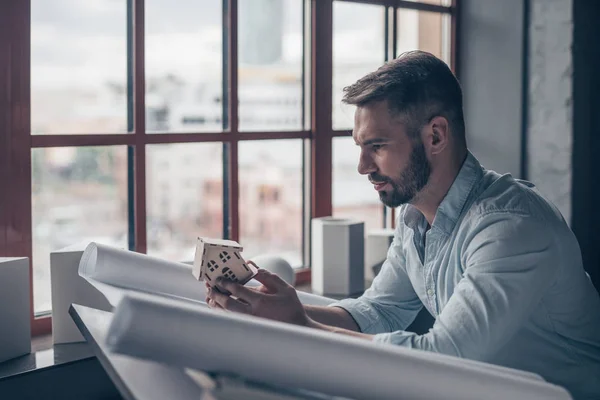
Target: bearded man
(493,261)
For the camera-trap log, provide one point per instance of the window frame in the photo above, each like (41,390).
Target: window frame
(391,52)
(17,142)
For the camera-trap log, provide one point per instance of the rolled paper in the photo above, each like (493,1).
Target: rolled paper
(186,335)
(139,272)
(115,272)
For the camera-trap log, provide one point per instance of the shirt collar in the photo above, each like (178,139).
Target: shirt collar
(451,207)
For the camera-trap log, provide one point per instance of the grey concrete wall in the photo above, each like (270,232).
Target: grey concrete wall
(492,46)
(550,126)
(491,39)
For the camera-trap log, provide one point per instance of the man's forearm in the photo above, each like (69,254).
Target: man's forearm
(328,328)
(332,316)
(334,319)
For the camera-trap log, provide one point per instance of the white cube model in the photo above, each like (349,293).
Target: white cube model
(15,308)
(377,245)
(337,261)
(67,288)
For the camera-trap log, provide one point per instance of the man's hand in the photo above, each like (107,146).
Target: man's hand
(274,299)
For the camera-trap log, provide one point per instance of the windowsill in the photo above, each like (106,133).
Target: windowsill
(44,354)
(41,343)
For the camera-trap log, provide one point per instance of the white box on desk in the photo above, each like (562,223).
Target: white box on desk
(67,288)
(337,262)
(15,307)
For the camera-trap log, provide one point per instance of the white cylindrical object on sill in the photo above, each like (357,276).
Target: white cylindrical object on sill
(276,265)
(15,333)
(337,262)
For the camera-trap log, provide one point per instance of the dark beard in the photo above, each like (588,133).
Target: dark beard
(413,179)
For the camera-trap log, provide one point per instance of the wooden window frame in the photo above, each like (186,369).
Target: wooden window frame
(16,140)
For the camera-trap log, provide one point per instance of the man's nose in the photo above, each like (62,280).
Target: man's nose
(366,164)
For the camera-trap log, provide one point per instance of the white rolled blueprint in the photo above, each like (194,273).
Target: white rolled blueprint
(184,334)
(124,269)
(115,272)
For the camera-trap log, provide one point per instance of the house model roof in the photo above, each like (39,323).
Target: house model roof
(221,242)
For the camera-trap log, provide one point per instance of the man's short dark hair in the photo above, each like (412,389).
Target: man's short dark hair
(418,86)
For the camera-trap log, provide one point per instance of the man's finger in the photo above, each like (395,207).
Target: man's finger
(211,303)
(228,302)
(242,292)
(270,280)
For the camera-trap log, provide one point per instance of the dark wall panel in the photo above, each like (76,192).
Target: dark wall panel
(586,133)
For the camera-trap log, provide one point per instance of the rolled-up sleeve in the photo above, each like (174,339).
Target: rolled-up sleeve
(510,263)
(390,304)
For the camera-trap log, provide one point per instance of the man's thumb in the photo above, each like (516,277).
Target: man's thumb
(269,279)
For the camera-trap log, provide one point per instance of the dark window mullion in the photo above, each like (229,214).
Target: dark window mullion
(225,116)
(386,52)
(321,107)
(305,214)
(230,90)
(394,55)
(130,128)
(394,32)
(139,125)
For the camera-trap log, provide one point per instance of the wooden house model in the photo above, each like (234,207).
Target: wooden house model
(218,257)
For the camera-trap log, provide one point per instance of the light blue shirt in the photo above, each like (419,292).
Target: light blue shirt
(502,274)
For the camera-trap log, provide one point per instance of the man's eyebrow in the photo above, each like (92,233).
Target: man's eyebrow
(376,141)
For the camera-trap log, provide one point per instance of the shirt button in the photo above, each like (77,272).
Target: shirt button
(430,292)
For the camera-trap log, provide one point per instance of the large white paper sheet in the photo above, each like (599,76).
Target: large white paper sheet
(116,272)
(186,335)
(148,380)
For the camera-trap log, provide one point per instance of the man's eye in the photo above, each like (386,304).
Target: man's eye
(376,146)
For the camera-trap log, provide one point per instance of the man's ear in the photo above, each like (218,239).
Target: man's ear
(438,135)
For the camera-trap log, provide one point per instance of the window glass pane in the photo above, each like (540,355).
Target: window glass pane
(184,184)
(270,65)
(353,194)
(78,66)
(79,195)
(358,48)
(184,79)
(426,31)
(270,179)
